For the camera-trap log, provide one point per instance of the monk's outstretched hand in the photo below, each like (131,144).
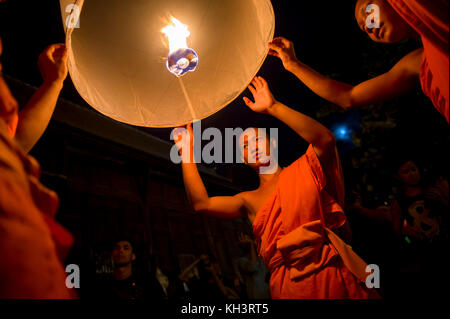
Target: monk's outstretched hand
(53,63)
(284,49)
(264,99)
(184,138)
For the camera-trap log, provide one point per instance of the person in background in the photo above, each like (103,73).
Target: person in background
(252,269)
(206,281)
(163,280)
(418,211)
(235,282)
(419,218)
(125,284)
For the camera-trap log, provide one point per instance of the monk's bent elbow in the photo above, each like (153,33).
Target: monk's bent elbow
(200,207)
(349,100)
(329,141)
(348,103)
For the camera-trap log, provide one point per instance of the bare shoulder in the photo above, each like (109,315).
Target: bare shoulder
(411,62)
(245,195)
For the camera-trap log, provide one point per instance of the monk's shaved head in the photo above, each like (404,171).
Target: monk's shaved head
(381,22)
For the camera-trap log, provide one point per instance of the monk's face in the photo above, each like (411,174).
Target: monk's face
(392,28)
(255,148)
(8,103)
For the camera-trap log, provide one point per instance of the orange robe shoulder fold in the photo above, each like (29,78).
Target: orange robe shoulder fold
(307,260)
(430,19)
(32,244)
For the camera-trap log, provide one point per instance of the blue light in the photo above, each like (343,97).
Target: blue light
(342,133)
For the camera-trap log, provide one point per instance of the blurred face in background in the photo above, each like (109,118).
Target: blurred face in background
(409,174)
(122,253)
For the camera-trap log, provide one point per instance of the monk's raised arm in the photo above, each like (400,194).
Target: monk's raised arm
(309,129)
(35,117)
(227,207)
(400,79)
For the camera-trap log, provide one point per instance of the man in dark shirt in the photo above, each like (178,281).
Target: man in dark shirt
(124,284)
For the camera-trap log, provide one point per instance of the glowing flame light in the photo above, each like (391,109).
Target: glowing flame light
(181,59)
(177,33)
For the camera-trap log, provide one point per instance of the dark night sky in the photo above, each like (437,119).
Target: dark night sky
(326,37)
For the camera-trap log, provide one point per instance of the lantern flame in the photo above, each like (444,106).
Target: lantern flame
(181,59)
(177,34)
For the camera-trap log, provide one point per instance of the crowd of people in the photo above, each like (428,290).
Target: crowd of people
(202,279)
(301,246)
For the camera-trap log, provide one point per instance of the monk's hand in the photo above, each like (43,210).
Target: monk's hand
(264,99)
(183,138)
(53,64)
(284,49)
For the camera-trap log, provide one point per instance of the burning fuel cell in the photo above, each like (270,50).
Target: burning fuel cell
(181,59)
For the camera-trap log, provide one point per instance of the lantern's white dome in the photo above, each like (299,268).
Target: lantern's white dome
(118,56)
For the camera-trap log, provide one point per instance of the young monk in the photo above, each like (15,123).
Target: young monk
(399,19)
(294,209)
(32,244)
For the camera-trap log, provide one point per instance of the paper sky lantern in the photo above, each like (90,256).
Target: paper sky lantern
(122,62)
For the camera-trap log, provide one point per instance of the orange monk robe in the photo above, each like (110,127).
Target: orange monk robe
(295,238)
(8,111)
(430,19)
(32,244)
